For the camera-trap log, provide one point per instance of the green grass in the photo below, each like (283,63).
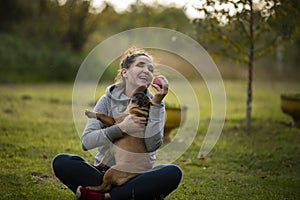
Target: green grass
(36,123)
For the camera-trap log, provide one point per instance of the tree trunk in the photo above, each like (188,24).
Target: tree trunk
(250,71)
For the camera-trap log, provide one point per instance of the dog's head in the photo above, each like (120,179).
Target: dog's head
(140,102)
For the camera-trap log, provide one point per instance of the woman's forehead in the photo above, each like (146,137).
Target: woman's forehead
(143,58)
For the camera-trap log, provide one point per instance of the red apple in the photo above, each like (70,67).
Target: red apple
(157,81)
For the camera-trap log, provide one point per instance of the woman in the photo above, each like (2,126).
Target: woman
(136,69)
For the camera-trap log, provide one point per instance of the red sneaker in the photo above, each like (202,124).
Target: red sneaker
(86,194)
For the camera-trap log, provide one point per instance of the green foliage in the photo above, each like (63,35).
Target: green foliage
(226,34)
(28,61)
(230,33)
(36,124)
(285,23)
(80,23)
(47,41)
(34,48)
(288,27)
(244,33)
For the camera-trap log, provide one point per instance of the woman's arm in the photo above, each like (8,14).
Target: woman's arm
(155,127)
(95,133)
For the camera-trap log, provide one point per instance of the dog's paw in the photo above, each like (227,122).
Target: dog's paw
(90,114)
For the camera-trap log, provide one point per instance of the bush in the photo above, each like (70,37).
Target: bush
(28,60)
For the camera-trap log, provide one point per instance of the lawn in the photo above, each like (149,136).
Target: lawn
(36,123)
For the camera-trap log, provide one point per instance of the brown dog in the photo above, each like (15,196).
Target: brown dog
(129,152)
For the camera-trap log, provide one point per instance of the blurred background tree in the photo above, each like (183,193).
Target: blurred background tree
(47,40)
(246,30)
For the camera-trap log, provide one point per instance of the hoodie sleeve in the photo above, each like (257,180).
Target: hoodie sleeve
(155,127)
(95,133)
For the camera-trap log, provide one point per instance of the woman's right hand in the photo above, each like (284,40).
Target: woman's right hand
(133,125)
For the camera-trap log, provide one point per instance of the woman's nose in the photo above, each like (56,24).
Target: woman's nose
(146,70)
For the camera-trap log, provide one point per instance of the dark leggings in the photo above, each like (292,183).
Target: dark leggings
(73,171)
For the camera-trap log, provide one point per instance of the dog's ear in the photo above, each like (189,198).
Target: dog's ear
(142,88)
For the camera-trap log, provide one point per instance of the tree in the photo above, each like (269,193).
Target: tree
(80,23)
(243,28)
(286,23)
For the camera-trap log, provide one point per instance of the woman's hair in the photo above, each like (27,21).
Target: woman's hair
(128,58)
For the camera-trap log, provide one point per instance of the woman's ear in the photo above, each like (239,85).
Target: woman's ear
(124,72)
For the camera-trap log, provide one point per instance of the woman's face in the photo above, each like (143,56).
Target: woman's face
(140,72)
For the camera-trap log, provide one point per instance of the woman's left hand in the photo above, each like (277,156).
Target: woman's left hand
(160,92)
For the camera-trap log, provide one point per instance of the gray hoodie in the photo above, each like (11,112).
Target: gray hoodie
(113,103)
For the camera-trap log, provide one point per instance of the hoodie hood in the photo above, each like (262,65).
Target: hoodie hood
(117,92)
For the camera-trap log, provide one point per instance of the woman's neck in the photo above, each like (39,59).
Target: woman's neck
(128,91)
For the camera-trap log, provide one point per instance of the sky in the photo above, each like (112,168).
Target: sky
(122,5)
